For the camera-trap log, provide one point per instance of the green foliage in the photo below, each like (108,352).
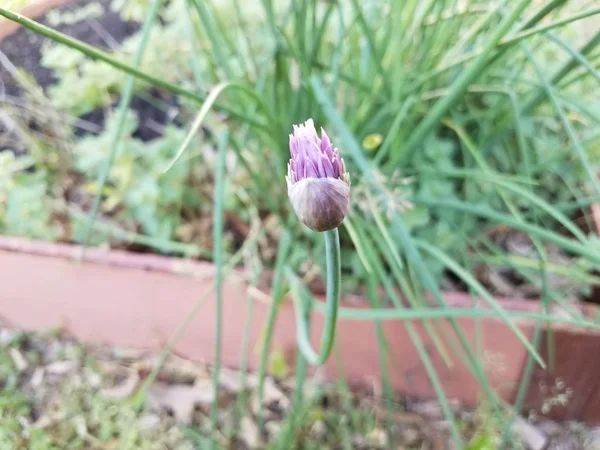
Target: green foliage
(483,442)
(278,365)
(139,194)
(92,420)
(25,208)
(92,10)
(83,84)
(132,10)
(28,210)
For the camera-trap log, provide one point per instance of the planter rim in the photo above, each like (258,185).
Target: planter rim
(199,269)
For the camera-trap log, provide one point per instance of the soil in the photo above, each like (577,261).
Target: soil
(24,49)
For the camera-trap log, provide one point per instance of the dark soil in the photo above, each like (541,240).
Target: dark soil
(24,50)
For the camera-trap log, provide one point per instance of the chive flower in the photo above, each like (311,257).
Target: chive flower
(317,181)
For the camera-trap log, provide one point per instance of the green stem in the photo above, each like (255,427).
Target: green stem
(283,250)
(334,276)
(122,114)
(548,26)
(218,259)
(433,313)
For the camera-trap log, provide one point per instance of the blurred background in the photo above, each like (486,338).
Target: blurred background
(149,254)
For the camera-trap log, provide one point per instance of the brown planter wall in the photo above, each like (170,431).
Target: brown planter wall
(136,300)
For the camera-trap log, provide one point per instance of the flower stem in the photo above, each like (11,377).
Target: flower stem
(334,275)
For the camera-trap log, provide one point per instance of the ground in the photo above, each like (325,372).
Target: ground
(57,393)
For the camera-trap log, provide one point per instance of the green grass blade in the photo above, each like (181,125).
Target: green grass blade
(581,153)
(218,260)
(299,294)
(481,291)
(548,26)
(575,54)
(550,236)
(285,242)
(408,291)
(122,113)
(561,73)
(523,193)
(217,43)
(204,110)
(411,314)
(398,227)
(379,272)
(460,85)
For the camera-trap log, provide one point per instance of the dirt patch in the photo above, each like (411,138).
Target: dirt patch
(24,47)
(106,31)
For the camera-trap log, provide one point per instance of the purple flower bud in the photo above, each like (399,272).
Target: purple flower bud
(318,184)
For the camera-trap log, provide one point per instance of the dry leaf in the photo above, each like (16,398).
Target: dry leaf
(232,380)
(181,399)
(37,378)
(249,432)
(272,394)
(60,367)
(18,360)
(124,389)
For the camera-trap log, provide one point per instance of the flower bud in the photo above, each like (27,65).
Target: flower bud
(318,184)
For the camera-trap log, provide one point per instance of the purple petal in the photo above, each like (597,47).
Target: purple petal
(342,167)
(310,170)
(335,164)
(328,167)
(320,166)
(300,168)
(313,156)
(326,146)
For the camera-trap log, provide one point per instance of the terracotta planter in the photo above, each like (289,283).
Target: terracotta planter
(135,300)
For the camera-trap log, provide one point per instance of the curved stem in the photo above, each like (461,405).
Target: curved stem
(334,275)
